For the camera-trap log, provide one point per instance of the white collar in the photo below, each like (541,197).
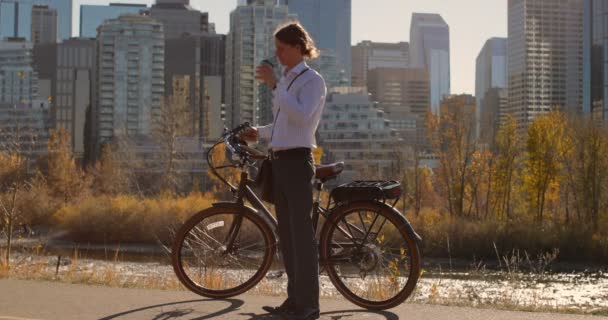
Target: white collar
(298,68)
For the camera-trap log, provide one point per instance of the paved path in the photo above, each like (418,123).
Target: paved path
(35,300)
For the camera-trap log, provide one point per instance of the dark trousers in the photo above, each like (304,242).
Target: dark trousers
(293,172)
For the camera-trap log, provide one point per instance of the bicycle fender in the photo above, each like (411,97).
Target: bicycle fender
(408,226)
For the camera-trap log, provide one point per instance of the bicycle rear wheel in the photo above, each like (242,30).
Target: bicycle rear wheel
(369,256)
(222,252)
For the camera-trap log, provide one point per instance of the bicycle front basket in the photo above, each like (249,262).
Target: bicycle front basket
(367,190)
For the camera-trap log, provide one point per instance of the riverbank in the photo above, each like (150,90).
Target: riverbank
(574,292)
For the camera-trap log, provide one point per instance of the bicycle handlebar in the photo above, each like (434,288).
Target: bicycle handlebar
(238,148)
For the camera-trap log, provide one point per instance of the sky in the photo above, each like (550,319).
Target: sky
(471,22)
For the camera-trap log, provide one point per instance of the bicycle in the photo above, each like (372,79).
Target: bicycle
(367,248)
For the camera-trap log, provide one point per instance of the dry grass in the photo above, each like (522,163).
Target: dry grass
(476,239)
(124,219)
(80,272)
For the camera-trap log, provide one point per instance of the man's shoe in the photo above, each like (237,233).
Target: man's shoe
(302,314)
(285,307)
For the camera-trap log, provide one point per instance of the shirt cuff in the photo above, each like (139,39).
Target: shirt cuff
(264,132)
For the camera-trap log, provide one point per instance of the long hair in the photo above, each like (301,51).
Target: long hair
(294,34)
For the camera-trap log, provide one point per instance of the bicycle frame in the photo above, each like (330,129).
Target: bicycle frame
(244,192)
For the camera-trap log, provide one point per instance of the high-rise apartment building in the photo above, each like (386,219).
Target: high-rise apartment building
(250,40)
(130,77)
(353,129)
(93,16)
(24,129)
(18,79)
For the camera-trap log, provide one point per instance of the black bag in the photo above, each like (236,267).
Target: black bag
(264,181)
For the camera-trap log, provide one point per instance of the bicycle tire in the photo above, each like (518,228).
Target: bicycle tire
(187,280)
(413,251)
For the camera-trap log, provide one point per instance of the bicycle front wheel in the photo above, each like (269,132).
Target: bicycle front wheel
(222,252)
(369,256)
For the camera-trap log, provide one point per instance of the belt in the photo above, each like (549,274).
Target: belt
(295,153)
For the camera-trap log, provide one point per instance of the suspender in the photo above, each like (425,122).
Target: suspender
(279,111)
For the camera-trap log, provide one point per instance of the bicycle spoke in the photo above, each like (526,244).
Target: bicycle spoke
(210,264)
(379,267)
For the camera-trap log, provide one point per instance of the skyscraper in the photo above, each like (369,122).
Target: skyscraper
(250,40)
(403,93)
(130,77)
(16,17)
(461,108)
(183,69)
(7,19)
(64,14)
(75,88)
(213,122)
(44,25)
(92,16)
(495,104)
(368,55)
(544,57)
(595,59)
(430,49)
(490,72)
(194,58)
(179,18)
(329,24)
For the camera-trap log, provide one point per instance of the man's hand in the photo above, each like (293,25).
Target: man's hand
(265,74)
(249,134)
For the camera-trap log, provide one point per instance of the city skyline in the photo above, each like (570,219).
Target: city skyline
(466,36)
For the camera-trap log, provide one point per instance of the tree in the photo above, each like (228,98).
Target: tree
(17,146)
(508,147)
(65,179)
(218,159)
(478,189)
(452,138)
(13,178)
(586,169)
(111,175)
(418,190)
(171,125)
(545,147)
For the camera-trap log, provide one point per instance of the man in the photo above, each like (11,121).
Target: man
(299,98)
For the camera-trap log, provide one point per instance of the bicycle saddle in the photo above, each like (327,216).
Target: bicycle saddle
(326,172)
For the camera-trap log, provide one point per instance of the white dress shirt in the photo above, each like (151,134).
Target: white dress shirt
(300,109)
